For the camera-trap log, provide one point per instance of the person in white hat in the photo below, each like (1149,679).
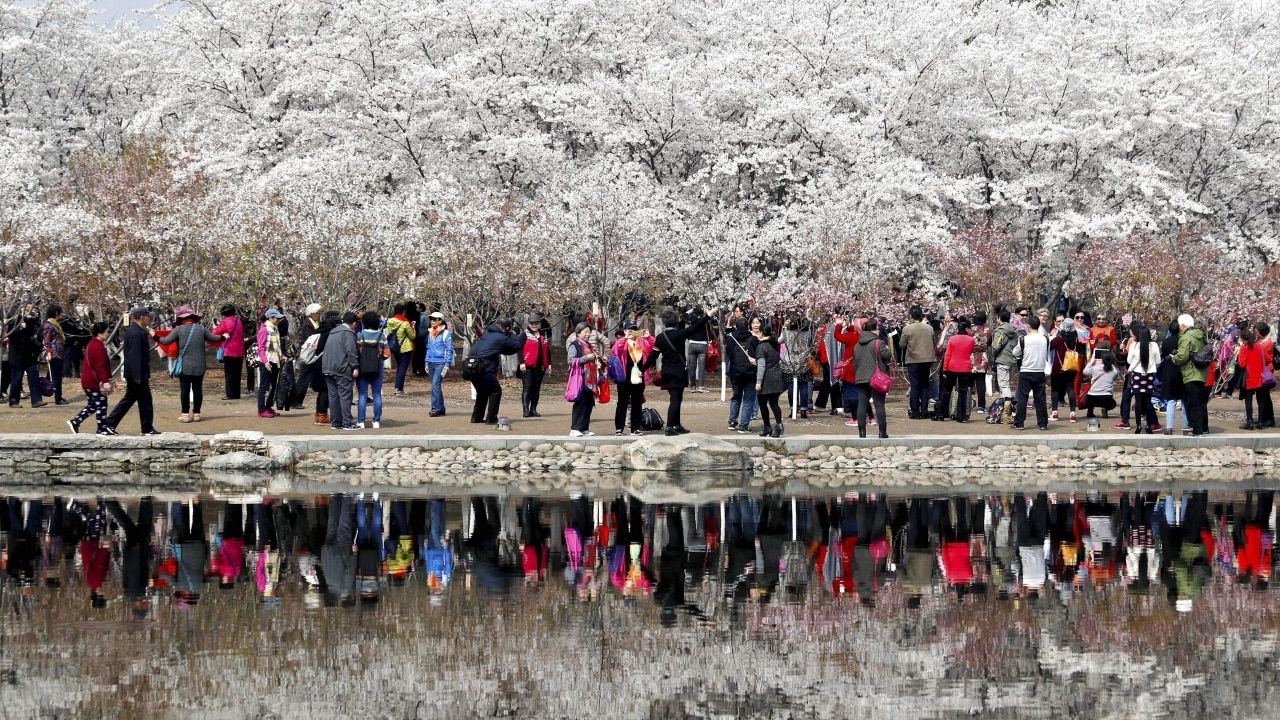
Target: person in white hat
(439,357)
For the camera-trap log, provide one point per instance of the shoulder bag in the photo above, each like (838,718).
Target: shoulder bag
(881,381)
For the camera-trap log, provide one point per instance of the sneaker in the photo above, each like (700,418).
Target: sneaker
(870,421)
(587,433)
(1073,417)
(360,425)
(377,425)
(1122,425)
(637,432)
(733,426)
(151,433)
(1045,428)
(744,429)
(39,404)
(1156,428)
(75,427)
(1019,428)
(617,432)
(350,427)
(1054,416)
(851,423)
(265,414)
(107,431)
(575,433)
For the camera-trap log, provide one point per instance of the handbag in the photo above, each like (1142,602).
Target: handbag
(1268,377)
(176,369)
(713,356)
(881,381)
(573,388)
(814,368)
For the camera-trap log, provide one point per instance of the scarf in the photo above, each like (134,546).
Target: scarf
(62,337)
(587,361)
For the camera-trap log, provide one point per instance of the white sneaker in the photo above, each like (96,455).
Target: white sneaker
(587,433)
(377,425)
(575,433)
(360,425)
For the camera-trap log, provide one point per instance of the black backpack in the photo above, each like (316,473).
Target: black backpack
(370,357)
(1203,357)
(650,419)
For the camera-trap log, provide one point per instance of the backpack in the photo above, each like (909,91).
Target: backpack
(310,349)
(1001,412)
(650,419)
(393,341)
(1203,357)
(370,357)
(617,371)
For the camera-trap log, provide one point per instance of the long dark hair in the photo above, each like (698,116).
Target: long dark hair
(1248,337)
(1143,335)
(1108,360)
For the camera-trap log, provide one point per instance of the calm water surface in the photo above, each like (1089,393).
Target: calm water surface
(1013,605)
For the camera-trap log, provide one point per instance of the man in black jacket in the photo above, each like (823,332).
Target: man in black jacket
(135,558)
(496,340)
(137,375)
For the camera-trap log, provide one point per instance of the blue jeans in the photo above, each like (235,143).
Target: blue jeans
(366,384)
(849,393)
(918,395)
(1170,406)
(369,530)
(435,535)
(437,390)
(806,397)
(743,403)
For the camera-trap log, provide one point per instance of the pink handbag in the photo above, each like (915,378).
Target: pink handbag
(881,381)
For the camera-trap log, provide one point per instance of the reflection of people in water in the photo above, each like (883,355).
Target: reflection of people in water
(579,543)
(228,551)
(627,572)
(399,545)
(1032,530)
(266,558)
(190,553)
(918,556)
(24,543)
(534,534)
(1137,522)
(1186,552)
(1253,547)
(490,572)
(337,554)
(370,550)
(872,547)
(437,556)
(95,548)
(135,557)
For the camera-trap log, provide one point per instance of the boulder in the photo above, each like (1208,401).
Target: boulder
(242,461)
(694,453)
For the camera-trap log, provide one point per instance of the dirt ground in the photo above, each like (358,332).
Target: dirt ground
(408,415)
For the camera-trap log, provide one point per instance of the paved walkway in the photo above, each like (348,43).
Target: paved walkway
(408,415)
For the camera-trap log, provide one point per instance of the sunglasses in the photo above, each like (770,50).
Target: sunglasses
(1079,317)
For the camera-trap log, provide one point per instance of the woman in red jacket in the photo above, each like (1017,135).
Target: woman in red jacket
(95,378)
(1251,363)
(847,334)
(957,368)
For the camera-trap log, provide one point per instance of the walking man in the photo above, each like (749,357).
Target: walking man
(137,375)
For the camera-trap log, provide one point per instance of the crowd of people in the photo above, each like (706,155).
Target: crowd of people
(996,366)
(345,550)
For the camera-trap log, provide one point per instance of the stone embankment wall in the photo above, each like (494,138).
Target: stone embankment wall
(545,463)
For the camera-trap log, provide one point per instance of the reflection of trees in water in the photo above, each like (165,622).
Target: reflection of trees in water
(543,653)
